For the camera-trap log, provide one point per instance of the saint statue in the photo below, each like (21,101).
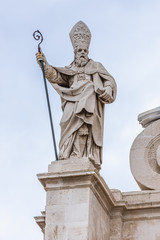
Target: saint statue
(84,87)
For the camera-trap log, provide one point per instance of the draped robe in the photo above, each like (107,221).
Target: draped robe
(80,89)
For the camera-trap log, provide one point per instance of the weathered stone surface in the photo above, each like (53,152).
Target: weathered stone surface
(76,199)
(142,218)
(84,87)
(145,157)
(80,206)
(148,117)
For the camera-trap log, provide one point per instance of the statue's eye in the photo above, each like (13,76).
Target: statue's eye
(80,50)
(85,50)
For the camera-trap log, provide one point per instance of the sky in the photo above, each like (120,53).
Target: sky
(125,39)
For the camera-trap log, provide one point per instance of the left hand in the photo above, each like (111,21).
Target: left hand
(107,95)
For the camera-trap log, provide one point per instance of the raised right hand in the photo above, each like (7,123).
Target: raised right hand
(41,57)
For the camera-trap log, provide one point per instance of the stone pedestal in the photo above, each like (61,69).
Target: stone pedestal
(78,201)
(80,206)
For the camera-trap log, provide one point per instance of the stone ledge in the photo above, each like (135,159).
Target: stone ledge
(71,165)
(79,200)
(40,220)
(64,176)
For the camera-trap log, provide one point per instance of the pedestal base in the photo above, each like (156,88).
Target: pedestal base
(80,206)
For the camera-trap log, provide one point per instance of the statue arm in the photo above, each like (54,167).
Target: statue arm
(54,76)
(109,94)
(51,73)
(105,87)
(106,96)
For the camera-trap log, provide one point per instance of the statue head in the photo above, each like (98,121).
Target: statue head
(80,37)
(81,56)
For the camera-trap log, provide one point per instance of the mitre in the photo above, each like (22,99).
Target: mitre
(80,35)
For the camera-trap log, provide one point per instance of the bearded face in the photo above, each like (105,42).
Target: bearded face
(81,56)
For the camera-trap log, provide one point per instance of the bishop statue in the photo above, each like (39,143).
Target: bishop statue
(84,87)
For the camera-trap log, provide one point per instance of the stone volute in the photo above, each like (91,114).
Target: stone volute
(145,151)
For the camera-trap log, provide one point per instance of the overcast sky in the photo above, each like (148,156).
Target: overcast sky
(125,39)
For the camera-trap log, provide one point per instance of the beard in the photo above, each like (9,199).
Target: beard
(81,61)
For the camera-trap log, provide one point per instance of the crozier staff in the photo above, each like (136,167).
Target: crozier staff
(38,36)
(84,87)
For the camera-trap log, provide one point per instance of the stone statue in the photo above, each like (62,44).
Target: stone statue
(84,87)
(145,151)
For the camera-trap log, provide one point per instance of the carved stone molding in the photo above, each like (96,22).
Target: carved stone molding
(145,157)
(80,205)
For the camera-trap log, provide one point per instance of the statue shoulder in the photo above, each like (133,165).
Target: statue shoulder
(96,67)
(67,70)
